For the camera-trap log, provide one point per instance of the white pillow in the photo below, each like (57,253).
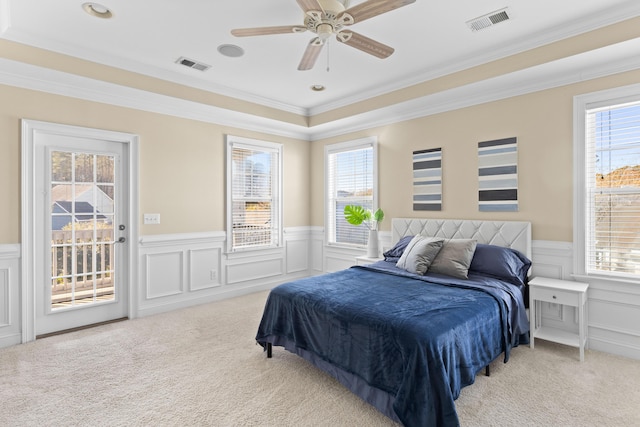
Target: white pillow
(419,254)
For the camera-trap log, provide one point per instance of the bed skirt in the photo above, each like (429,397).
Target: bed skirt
(379,399)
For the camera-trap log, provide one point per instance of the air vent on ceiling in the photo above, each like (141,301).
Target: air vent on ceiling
(192,64)
(489,20)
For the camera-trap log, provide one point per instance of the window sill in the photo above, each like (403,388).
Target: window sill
(608,284)
(345,246)
(252,252)
(603,278)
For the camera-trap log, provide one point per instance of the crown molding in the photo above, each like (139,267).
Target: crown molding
(602,62)
(191,80)
(590,65)
(555,34)
(42,79)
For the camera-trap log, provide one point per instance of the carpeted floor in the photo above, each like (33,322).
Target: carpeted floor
(201,367)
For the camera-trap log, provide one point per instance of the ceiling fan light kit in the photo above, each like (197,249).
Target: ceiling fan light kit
(330,17)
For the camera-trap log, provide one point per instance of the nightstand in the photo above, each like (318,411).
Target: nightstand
(365,260)
(565,292)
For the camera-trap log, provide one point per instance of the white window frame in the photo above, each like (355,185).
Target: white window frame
(582,104)
(276,184)
(368,142)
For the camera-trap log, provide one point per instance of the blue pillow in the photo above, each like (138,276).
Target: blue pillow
(396,252)
(507,264)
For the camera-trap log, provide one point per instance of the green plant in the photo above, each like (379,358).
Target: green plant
(356,215)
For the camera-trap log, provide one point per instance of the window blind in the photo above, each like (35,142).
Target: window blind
(613,190)
(350,182)
(254,207)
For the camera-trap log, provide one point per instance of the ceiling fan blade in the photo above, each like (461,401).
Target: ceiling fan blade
(365,44)
(263,31)
(311,54)
(372,8)
(307,5)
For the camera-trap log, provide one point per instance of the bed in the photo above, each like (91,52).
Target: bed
(405,340)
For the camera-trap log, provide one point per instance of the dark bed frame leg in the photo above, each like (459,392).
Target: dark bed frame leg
(487,371)
(269,350)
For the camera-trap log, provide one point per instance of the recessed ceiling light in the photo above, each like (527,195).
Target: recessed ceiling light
(97,10)
(230,50)
(317,88)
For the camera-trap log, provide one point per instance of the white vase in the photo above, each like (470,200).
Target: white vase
(372,245)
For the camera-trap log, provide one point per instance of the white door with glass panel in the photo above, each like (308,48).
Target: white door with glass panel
(79,231)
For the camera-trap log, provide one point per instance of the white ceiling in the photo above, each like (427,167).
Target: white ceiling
(430,38)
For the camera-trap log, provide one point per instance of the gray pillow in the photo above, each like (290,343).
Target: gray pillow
(454,258)
(419,254)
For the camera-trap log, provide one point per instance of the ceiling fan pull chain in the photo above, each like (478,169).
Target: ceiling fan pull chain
(328,65)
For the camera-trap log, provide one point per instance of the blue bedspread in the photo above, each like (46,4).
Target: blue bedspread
(418,338)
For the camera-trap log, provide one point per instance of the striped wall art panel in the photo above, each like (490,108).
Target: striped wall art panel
(498,175)
(427,180)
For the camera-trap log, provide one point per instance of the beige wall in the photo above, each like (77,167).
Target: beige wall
(182,161)
(596,39)
(182,167)
(543,124)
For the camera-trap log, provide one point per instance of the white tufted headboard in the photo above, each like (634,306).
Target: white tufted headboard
(511,234)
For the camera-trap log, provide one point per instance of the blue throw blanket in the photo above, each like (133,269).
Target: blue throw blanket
(418,338)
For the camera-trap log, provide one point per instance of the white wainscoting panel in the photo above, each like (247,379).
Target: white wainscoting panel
(164,273)
(181,270)
(317,250)
(256,265)
(552,259)
(297,249)
(5,298)
(339,258)
(614,317)
(201,273)
(10,313)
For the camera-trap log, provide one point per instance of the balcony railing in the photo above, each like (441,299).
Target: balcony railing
(81,279)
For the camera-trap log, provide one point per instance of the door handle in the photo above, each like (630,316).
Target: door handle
(121,240)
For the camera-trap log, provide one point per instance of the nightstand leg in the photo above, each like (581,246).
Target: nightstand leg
(532,322)
(581,326)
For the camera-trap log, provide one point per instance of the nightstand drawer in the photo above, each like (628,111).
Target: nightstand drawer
(555,296)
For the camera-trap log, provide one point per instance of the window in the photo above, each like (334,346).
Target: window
(609,204)
(350,171)
(253,194)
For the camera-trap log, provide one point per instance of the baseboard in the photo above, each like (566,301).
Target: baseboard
(192,302)
(614,347)
(10,340)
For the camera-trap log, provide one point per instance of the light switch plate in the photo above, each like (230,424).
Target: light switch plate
(152,218)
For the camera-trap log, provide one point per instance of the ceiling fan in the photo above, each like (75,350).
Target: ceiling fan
(328,17)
